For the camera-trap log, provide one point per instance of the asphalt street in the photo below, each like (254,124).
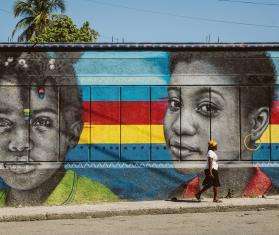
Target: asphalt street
(241,222)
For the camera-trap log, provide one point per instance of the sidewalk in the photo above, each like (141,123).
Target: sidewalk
(136,208)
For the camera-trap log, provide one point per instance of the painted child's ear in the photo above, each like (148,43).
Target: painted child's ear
(259,120)
(75,132)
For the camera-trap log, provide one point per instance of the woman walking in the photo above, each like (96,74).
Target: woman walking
(211,172)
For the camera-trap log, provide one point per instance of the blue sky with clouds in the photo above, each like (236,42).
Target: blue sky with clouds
(166,21)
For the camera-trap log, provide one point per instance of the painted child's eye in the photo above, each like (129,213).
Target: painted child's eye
(5,125)
(174,104)
(43,122)
(208,109)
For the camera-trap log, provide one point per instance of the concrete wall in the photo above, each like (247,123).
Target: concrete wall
(88,126)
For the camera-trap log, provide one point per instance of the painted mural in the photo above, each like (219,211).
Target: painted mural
(86,127)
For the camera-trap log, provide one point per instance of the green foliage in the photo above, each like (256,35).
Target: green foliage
(73,189)
(62,29)
(35,16)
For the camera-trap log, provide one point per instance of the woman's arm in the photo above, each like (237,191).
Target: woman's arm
(210,166)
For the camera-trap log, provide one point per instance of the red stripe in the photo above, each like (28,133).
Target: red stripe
(137,112)
(275,112)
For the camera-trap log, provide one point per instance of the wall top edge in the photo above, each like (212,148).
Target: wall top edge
(140,46)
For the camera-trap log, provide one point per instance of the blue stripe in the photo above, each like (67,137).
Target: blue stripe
(274,152)
(128,93)
(105,93)
(85,90)
(135,93)
(112,93)
(115,152)
(159,93)
(138,152)
(264,153)
(79,153)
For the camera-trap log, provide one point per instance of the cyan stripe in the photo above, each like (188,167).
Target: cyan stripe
(123,63)
(127,93)
(124,55)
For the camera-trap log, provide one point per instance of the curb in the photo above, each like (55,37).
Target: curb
(96,213)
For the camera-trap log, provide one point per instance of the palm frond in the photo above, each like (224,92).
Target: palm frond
(57,5)
(23,8)
(26,34)
(23,24)
(35,13)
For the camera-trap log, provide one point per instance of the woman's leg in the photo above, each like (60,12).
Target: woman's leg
(215,194)
(206,187)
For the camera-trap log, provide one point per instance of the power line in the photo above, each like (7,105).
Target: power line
(251,2)
(1,9)
(183,16)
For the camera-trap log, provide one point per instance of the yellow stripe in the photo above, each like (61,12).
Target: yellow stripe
(130,134)
(140,134)
(85,135)
(274,128)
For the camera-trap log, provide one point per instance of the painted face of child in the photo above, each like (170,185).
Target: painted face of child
(195,111)
(34,139)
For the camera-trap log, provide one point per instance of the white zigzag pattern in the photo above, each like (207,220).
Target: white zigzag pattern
(83,165)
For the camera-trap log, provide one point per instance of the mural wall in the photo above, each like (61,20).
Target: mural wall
(85,127)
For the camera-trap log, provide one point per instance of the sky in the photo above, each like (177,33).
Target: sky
(168,21)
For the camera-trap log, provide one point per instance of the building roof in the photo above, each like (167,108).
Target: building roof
(138,46)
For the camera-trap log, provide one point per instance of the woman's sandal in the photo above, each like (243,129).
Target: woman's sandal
(198,197)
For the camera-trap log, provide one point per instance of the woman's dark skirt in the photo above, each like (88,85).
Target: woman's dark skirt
(211,181)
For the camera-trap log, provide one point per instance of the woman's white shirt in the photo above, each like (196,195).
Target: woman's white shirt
(211,154)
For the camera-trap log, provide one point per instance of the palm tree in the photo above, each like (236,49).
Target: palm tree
(35,16)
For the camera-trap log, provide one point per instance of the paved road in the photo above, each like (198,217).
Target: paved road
(250,222)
